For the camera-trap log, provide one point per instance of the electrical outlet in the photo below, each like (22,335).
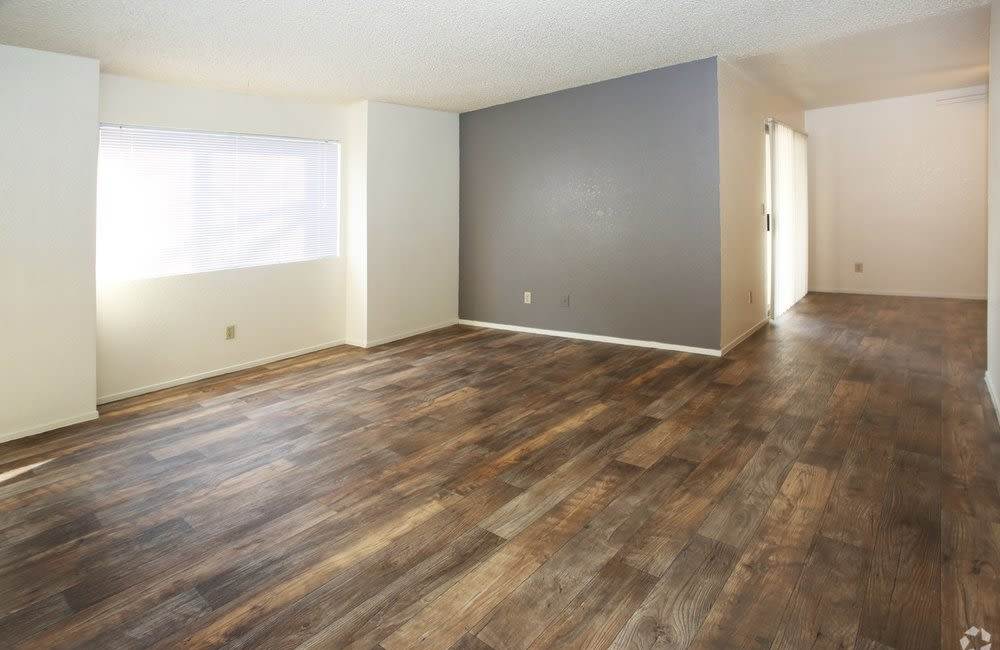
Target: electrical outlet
(750,296)
(230,332)
(859,267)
(564,301)
(527,297)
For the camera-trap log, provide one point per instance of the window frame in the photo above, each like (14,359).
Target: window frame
(338,252)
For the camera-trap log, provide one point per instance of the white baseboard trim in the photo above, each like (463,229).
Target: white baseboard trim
(903,294)
(993,393)
(743,337)
(48,426)
(114,397)
(405,335)
(593,337)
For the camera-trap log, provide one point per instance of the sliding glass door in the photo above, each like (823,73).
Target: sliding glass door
(789,198)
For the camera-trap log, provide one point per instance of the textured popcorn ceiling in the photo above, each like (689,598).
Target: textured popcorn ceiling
(448,54)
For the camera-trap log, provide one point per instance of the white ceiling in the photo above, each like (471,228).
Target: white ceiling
(449,54)
(938,53)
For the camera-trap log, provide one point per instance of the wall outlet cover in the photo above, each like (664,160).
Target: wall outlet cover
(859,267)
(230,332)
(564,301)
(527,297)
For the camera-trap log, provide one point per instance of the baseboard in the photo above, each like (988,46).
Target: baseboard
(114,397)
(593,337)
(903,294)
(405,335)
(48,426)
(743,337)
(993,393)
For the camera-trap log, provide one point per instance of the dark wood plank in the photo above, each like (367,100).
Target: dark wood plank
(853,513)
(902,603)
(677,605)
(737,514)
(831,482)
(748,611)
(593,619)
(464,606)
(823,609)
(970,586)
(525,614)
(471,642)
(678,517)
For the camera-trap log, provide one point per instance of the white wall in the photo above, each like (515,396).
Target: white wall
(48,172)
(400,181)
(744,106)
(356,224)
(993,283)
(398,270)
(899,185)
(159,332)
(411,221)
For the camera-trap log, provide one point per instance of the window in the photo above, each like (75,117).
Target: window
(178,202)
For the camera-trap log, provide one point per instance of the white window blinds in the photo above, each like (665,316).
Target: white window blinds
(177,202)
(790,212)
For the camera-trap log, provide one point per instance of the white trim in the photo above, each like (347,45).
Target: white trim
(772,120)
(593,337)
(992,391)
(114,397)
(743,337)
(167,129)
(964,99)
(406,335)
(903,294)
(48,426)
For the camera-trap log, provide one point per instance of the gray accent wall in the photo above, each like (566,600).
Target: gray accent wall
(607,193)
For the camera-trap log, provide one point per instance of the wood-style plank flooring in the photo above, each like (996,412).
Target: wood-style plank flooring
(831,483)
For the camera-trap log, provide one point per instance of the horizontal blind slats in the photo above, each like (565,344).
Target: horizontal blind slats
(176,202)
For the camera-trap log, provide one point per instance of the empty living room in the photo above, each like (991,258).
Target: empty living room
(499,325)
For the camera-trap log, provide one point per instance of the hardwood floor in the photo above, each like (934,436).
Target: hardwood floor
(831,483)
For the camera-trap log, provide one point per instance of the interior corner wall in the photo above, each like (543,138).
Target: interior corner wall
(159,332)
(410,221)
(607,193)
(48,175)
(993,235)
(744,107)
(356,224)
(900,186)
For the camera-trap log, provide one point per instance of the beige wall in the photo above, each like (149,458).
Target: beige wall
(355,224)
(48,175)
(993,282)
(402,222)
(163,331)
(744,106)
(900,186)
(400,181)
(398,270)
(412,221)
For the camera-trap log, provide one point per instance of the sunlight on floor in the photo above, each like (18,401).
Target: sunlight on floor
(14,473)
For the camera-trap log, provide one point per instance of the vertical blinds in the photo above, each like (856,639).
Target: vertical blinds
(178,202)
(790,211)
